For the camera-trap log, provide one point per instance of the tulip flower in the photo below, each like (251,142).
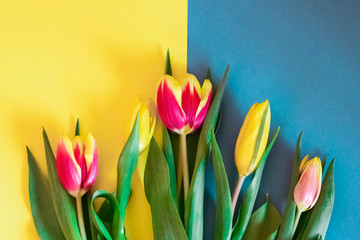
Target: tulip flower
(147,120)
(76,163)
(307,189)
(182,107)
(251,143)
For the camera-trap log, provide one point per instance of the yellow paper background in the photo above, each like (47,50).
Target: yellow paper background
(60,60)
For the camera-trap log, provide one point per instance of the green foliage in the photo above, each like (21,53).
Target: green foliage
(42,207)
(117,232)
(263,223)
(223,222)
(286,228)
(63,202)
(165,218)
(169,156)
(126,166)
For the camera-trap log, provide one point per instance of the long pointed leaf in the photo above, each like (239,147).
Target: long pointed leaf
(223,222)
(321,213)
(263,223)
(63,202)
(169,156)
(126,166)
(42,207)
(165,218)
(195,200)
(286,227)
(247,205)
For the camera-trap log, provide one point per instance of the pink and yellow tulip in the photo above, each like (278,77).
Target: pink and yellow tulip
(76,163)
(308,188)
(183,105)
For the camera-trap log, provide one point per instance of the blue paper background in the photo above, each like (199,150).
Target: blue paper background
(304,56)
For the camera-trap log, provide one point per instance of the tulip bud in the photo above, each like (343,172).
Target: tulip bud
(183,106)
(252,139)
(76,164)
(308,188)
(147,120)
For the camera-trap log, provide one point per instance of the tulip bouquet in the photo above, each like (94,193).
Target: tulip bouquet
(63,206)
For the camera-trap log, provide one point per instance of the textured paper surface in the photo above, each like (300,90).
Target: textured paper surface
(89,59)
(304,56)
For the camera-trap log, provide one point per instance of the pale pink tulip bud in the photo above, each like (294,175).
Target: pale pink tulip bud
(308,188)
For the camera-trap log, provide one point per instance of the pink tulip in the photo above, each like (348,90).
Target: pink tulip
(76,164)
(183,106)
(308,188)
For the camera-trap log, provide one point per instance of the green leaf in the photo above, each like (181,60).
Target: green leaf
(63,202)
(42,207)
(272,236)
(263,223)
(116,227)
(321,213)
(167,150)
(247,205)
(286,227)
(105,212)
(195,200)
(126,166)
(165,218)
(223,222)
(168,70)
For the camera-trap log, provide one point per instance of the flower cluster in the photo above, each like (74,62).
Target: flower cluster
(177,199)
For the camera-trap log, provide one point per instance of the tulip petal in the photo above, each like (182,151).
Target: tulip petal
(191,98)
(168,102)
(68,169)
(204,105)
(91,159)
(303,163)
(144,126)
(79,149)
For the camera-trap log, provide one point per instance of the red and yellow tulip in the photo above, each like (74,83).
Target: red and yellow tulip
(183,105)
(76,163)
(308,188)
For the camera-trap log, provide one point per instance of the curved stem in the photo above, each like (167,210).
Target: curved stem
(80,218)
(184,161)
(296,221)
(236,192)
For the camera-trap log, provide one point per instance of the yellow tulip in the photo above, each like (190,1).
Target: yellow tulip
(147,120)
(252,139)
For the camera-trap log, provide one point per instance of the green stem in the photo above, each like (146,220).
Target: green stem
(184,161)
(236,192)
(296,222)
(80,218)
